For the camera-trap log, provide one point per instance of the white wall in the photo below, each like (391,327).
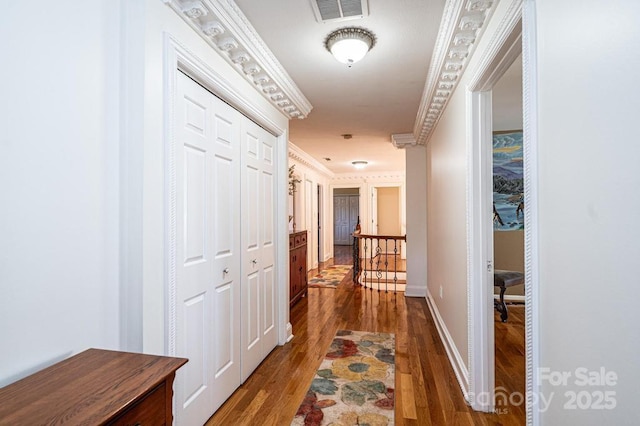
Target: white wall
(58,182)
(416,158)
(446,190)
(82,161)
(311,173)
(388,210)
(589,200)
(446,226)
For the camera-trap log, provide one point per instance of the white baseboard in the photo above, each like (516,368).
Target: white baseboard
(455,359)
(289,332)
(415,291)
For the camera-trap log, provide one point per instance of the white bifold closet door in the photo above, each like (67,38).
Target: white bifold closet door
(225,302)
(259,334)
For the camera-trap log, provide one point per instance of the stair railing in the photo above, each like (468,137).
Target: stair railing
(371,266)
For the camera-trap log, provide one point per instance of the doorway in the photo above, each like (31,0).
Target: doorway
(346,212)
(386,203)
(505,49)
(320,204)
(508,238)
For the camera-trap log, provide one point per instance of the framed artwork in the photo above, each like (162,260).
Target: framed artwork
(508,181)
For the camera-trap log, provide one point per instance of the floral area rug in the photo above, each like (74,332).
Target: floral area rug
(329,277)
(355,383)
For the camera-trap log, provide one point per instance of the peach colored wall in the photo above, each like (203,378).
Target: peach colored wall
(389,211)
(508,253)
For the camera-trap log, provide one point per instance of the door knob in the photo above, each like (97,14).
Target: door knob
(225,270)
(254,261)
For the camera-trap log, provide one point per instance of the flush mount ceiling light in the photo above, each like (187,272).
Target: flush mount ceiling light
(359,164)
(349,45)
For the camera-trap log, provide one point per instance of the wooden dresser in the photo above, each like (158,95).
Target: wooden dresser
(297,266)
(95,387)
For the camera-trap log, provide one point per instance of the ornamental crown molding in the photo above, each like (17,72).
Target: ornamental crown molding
(462,24)
(402,140)
(228,31)
(351,177)
(297,154)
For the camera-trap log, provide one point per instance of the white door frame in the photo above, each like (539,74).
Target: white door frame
(320,225)
(177,56)
(507,44)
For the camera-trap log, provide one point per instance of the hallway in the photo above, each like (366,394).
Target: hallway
(427,392)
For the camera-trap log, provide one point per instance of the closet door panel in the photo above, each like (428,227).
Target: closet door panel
(208,247)
(225,311)
(269,303)
(268,313)
(267,235)
(226,271)
(258,297)
(194,383)
(251,228)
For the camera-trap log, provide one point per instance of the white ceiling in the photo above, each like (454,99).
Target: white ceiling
(377,97)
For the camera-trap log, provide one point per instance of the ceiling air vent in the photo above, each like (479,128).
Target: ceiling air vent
(339,10)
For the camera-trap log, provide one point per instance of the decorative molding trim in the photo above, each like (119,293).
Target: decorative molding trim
(297,154)
(368,177)
(480,329)
(504,47)
(531,244)
(459,369)
(402,140)
(172,53)
(228,31)
(462,25)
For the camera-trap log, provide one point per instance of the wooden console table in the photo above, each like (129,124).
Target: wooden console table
(297,266)
(95,387)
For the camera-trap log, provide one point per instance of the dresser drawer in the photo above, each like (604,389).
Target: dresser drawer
(150,411)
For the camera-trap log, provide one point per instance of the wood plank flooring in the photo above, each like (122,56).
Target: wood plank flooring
(427,392)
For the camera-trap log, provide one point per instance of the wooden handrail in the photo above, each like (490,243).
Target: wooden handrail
(380,237)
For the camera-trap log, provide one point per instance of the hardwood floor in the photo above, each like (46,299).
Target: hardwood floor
(427,392)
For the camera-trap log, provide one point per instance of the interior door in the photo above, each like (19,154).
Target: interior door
(341,220)
(319,222)
(354,213)
(310,224)
(208,266)
(259,335)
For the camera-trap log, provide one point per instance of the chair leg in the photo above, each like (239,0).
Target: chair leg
(504,313)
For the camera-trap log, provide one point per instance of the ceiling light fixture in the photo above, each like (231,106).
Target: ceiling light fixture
(360,164)
(349,45)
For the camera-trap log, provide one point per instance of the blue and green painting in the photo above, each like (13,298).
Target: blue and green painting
(508,181)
